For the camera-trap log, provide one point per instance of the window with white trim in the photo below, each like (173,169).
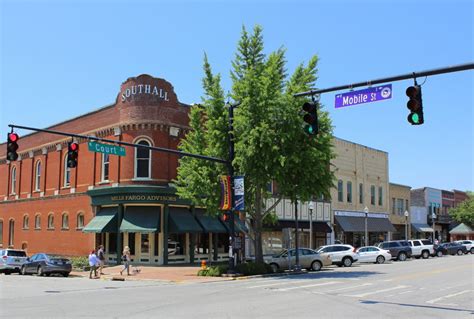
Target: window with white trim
(11,233)
(26,222)
(65,221)
(80,221)
(50,221)
(67,173)
(37,221)
(105,168)
(142,161)
(38,176)
(13,180)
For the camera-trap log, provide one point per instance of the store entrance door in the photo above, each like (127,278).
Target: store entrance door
(145,251)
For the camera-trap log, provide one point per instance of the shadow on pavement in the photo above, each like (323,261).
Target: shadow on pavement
(329,273)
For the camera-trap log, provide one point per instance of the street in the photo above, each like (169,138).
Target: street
(433,288)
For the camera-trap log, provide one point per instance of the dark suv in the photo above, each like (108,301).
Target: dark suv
(400,249)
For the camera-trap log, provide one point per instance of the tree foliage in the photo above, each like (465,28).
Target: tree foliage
(270,143)
(464,212)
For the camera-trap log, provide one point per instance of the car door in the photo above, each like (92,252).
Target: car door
(372,254)
(306,257)
(363,254)
(30,266)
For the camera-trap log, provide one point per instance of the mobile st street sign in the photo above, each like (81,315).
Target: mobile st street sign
(374,94)
(106,148)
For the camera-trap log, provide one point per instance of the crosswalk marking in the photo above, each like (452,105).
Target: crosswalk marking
(350,287)
(377,291)
(268,285)
(309,286)
(448,296)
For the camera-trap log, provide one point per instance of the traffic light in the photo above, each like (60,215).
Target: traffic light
(12,146)
(225,217)
(311,118)
(72,149)
(415,105)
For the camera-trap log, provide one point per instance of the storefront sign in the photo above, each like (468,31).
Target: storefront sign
(143,198)
(144,89)
(225,193)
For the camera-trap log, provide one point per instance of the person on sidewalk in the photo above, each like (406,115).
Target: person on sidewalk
(93,263)
(101,256)
(126,260)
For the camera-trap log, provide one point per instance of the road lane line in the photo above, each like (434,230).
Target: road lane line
(377,291)
(268,285)
(309,286)
(351,287)
(448,296)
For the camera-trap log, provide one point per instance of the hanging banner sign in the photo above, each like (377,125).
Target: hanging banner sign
(225,193)
(239,192)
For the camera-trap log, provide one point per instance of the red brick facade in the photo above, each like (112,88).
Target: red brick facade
(146,108)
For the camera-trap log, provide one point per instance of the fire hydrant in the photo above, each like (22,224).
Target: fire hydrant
(203,264)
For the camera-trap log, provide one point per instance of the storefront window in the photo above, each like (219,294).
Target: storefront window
(202,244)
(157,243)
(112,249)
(131,243)
(222,243)
(176,244)
(145,247)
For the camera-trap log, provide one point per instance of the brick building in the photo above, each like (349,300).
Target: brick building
(115,200)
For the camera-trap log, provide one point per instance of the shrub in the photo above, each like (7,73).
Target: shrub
(214,271)
(249,269)
(79,262)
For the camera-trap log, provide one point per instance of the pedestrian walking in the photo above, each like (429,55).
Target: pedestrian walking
(101,256)
(126,260)
(93,263)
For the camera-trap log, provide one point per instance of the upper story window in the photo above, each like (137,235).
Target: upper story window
(143,161)
(37,221)
(11,233)
(361,193)
(26,222)
(51,221)
(1,232)
(38,176)
(349,192)
(65,221)
(80,221)
(13,180)
(372,195)
(339,191)
(105,168)
(67,173)
(380,196)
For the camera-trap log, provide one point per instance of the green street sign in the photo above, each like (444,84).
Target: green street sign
(106,148)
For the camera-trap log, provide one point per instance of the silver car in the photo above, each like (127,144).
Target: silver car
(11,260)
(308,258)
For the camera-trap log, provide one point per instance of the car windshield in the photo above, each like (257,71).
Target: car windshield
(16,253)
(282,252)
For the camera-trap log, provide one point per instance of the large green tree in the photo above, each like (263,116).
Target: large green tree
(464,212)
(270,144)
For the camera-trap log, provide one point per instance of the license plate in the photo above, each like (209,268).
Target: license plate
(17,260)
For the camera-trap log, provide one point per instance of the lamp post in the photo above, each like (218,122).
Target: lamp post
(406,225)
(366,211)
(433,216)
(311,207)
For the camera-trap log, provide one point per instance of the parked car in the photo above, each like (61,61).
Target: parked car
(399,249)
(46,264)
(11,260)
(468,243)
(341,255)
(421,248)
(308,258)
(450,249)
(372,254)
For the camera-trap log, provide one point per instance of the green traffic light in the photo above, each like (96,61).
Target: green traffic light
(415,118)
(309,129)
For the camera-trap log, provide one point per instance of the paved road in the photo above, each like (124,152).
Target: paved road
(434,288)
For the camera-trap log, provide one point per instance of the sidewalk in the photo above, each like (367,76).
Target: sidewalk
(177,274)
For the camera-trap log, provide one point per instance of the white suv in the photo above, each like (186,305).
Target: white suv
(341,255)
(421,248)
(11,260)
(468,243)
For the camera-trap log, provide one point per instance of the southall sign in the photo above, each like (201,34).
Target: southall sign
(144,89)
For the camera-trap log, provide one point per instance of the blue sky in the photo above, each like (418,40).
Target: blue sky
(60,59)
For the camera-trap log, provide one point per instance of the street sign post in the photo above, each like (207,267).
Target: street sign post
(374,94)
(106,148)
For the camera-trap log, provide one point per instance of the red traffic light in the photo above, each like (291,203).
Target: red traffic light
(73,147)
(13,137)
(225,217)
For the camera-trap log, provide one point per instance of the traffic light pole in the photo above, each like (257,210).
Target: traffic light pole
(449,69)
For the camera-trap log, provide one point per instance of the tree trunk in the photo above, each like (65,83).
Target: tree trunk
(258,227)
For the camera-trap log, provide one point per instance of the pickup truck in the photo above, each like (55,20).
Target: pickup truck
(421,248)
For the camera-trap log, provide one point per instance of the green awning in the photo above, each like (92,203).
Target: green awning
(141,219)
(181,221)
(104,222)
(239,226)
(209,223)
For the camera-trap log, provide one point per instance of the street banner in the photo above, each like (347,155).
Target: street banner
(225,193)
(239,192)
(373,94)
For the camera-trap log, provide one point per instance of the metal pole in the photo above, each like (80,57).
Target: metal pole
(231,173)
(406,228)
(297,255)
(449,69)
(310,227)
(366,233)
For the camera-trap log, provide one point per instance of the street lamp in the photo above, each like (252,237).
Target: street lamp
(311,207)
(406,225)
(433,216)
(366,210)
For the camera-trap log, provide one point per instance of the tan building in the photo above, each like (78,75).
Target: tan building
(361,194)
(400,210)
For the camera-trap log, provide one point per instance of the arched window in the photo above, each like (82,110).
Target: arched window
(80,221)
(143,161)
(65,221)
(11,233)
(372,195)
(37,221)
(38,176)
(51,221)
(349,192)
(105,167)
(339,191)
(67,173)
(13,180)
(26,222)
(361,193)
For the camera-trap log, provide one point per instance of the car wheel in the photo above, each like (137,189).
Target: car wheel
(7,272)
(402,256)
(66,274)
(23,270)
(425,254)
(439,254)
(347,262)
(316,266)
(472,250)
(380,259)
(274,268)
(459,252)
(40,272)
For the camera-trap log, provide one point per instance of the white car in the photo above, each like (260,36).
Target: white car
(468,243)
(372,254)
(341,255)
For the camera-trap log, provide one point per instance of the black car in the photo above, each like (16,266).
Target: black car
(46,264)
(449,249)
(399,249)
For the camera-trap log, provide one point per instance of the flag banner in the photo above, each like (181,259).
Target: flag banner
(239,192)
(225,193)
